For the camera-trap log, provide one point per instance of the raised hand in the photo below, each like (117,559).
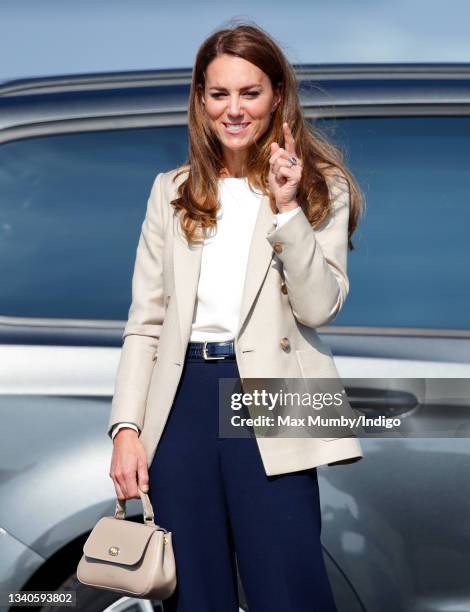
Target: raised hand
(285,172)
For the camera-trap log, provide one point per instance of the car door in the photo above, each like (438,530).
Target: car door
(402,346)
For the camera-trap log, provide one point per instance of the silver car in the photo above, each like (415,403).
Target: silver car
(76,151)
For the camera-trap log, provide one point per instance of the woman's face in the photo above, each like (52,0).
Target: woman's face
(238,98)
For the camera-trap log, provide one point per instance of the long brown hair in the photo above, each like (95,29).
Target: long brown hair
(198,194)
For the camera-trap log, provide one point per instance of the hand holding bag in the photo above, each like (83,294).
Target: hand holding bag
(132,559)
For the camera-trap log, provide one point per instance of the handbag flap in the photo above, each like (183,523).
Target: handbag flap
(118,540)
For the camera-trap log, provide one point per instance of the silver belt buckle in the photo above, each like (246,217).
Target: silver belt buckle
(206,356)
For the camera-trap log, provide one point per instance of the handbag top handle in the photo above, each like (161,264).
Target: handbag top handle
(120,512)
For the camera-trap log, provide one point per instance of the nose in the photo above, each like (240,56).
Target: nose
(235,108)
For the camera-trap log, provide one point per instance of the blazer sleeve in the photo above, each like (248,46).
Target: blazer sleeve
(142,330)
(315,260)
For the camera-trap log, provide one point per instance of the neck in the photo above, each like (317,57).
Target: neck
(234,165)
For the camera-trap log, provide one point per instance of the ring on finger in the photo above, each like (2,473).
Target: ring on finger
(293,161)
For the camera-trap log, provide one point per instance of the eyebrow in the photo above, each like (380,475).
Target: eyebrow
(241,89)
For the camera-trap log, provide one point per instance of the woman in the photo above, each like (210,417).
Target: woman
(231,292)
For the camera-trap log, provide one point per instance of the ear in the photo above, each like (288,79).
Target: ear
(277,97)
(200,93)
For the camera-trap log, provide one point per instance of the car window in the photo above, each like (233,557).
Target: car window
(71,211)
(72,207)
(410,266)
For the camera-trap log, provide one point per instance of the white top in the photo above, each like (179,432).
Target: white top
(223,265)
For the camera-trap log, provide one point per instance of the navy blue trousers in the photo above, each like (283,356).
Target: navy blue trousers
(214,495)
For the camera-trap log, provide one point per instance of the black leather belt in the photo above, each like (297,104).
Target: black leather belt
(211,350)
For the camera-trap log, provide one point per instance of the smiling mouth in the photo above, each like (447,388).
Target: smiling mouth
(235,128)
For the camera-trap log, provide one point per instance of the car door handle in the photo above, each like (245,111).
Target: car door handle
(376,402)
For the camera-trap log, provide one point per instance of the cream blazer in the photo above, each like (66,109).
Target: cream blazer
(296,281)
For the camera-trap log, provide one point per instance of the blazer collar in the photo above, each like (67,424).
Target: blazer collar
(187,267)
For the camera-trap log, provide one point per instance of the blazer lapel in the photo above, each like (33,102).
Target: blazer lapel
(187,267)
(259,257)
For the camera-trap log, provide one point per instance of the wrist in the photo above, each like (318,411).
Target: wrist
(129,430)
(288,206)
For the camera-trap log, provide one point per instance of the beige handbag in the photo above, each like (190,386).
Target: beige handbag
(129,558)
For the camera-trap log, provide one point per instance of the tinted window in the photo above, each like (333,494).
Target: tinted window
(71,211)
(72,208)
(413,248)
